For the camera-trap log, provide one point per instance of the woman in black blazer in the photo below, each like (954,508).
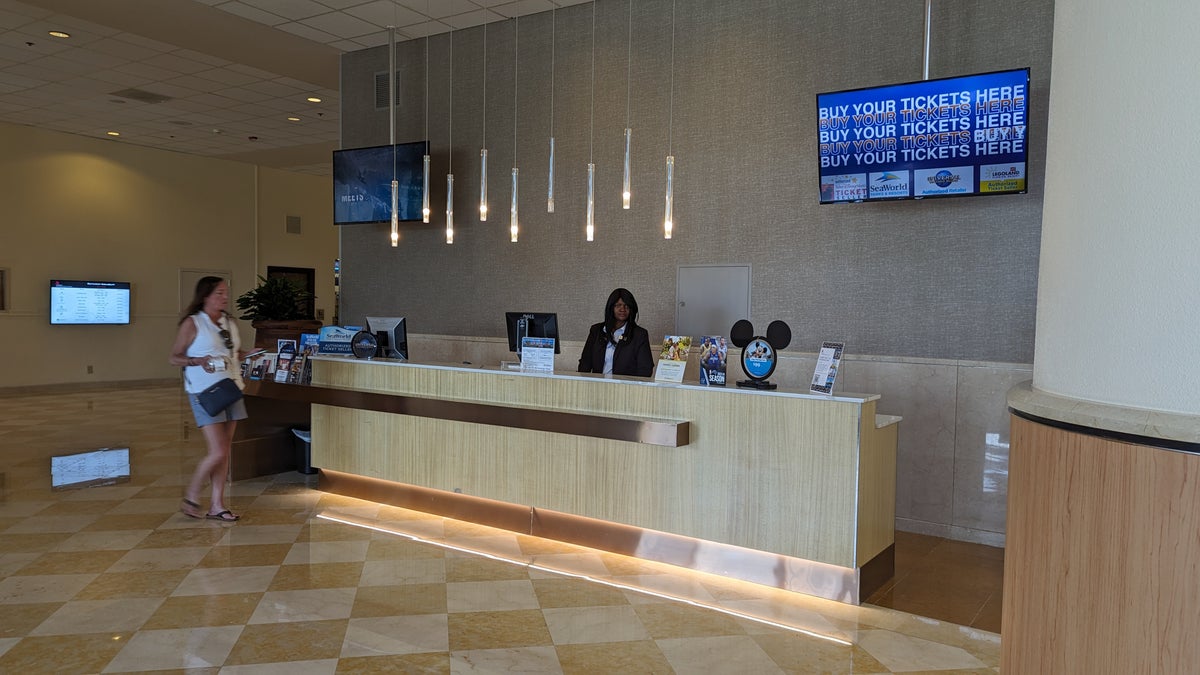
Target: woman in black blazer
(617,345)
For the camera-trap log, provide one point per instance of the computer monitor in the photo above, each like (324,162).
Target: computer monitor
(531,324)
(392,335)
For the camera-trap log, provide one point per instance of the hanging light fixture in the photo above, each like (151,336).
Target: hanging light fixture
(626,195)
(395,235)
(512,209)
(668,215)
(425,162)
(483,205)
(450,173)
(550,181)
(591,184)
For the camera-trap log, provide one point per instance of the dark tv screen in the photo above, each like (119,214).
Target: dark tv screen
(362,183)
(89,302)
(951,137)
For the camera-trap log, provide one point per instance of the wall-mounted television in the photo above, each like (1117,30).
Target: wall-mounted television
(89,302)
(362,182)
(951,137)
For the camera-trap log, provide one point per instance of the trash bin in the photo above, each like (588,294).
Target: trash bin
(304,450)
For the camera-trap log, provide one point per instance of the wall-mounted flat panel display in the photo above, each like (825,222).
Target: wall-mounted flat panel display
(951,137)
(362,182)
(89,302)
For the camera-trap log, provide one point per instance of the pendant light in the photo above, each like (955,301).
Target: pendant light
(483,202)
(395,219)
(591,181)
(668,215)
(425,162)
(512,209)
(450,173)
(550,181)
(626,195)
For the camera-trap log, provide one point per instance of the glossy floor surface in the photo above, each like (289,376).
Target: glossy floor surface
(112,578)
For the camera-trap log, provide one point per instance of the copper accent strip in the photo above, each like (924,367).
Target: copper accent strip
(669,433)
(761,567)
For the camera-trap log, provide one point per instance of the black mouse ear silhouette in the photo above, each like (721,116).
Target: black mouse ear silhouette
(779,334)
(742,333)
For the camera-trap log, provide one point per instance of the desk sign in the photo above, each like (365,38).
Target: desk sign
(673,359)
(335,340)
(829,359)
(537,354)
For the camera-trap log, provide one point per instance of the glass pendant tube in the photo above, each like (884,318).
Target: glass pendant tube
(512,210)
(625,194)
(449,208)
(591,203)
(425,193)
(395,213)
(483,185)
(668,218)
(550,186)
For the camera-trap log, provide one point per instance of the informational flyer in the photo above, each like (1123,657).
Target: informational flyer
(713,354)
(537,354)
(829,359)
(673,359)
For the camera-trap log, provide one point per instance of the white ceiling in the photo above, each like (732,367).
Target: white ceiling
(233,71)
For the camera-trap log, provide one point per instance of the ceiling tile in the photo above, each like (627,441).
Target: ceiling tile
(289,9)
(253,14)
(341,25)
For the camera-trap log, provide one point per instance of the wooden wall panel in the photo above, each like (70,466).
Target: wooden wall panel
(1102,566)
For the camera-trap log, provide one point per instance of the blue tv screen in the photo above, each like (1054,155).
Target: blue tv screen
(950,137)
(362,183)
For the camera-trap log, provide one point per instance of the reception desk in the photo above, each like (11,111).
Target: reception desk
(782,488)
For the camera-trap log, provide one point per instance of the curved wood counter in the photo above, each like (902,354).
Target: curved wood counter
(783,488)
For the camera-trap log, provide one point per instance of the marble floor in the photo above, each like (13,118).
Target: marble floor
(111,578)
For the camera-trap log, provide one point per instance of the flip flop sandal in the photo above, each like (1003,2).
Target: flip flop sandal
(189,508)
(226,516)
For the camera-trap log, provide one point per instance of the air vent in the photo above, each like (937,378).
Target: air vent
(293,224)
(141,95)
(381,96)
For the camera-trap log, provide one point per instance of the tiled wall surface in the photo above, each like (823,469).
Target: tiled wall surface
(952,473)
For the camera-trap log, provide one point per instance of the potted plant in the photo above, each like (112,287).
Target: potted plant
(275,309)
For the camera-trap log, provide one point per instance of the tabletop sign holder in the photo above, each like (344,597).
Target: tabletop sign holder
(829,360)
(760,354)
(673,360)
(537,354)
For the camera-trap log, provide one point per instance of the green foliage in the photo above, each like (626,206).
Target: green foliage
(274,299)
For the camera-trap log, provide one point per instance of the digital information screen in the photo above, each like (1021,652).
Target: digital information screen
(89,302)
(934,138)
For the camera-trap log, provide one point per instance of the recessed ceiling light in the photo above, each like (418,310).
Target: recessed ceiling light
(59,34)
(313,99)
(293,119)
(114,133)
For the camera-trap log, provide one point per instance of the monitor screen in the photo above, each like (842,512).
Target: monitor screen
(362,183)
(531,324)
(392,334)
(89,302)
(952,137)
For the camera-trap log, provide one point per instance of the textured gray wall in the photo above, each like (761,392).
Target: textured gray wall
(949,278)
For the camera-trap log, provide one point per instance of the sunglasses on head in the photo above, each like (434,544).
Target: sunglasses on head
(228,340)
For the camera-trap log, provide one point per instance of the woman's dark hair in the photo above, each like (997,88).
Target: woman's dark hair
(610,319)
(204,288)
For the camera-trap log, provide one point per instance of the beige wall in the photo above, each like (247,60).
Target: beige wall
(81,208)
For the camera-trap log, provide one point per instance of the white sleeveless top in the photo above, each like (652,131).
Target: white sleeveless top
(209,343)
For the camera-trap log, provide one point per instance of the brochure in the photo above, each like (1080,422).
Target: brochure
(309,343)
(282,346)
(673,359)
(283,367)
(714,353)
(829,359)
(296,369)
(537,354)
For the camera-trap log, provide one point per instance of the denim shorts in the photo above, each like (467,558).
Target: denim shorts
(235,412)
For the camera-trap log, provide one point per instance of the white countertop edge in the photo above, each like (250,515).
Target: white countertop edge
(1138,421)
(841,397)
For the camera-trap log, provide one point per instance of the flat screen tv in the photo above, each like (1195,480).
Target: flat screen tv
(952,137)
(362,183)
(392,335)
(530,324)
(89,302)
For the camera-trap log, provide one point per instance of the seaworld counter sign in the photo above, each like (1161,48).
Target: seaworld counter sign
(934,138)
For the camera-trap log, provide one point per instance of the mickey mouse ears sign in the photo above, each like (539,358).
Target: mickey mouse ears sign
(760,354)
